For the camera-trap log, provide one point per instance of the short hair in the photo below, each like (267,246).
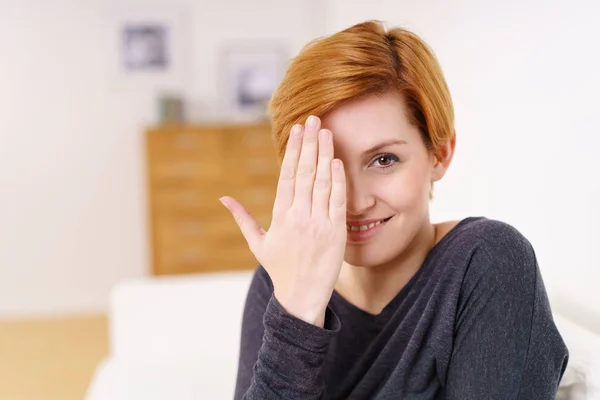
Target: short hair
(365,59)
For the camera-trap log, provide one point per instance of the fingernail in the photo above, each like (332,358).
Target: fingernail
(223,201)
(296,131)
(324,134)
(312,122)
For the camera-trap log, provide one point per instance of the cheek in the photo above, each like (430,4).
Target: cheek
(404,189)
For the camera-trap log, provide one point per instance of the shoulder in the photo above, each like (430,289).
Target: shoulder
(496,238)
(489,229)
(498,269)
(497,252)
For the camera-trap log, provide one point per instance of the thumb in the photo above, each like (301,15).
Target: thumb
(251,230)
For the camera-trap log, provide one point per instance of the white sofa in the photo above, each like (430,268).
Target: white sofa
(173,338)
(178,338)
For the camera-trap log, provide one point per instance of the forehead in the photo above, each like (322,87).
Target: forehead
(366,122)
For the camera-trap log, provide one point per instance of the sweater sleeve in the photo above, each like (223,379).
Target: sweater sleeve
(506,345)
(281,356)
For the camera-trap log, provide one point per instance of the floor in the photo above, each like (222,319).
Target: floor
(50,359)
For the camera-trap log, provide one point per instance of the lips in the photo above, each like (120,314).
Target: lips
(363,231)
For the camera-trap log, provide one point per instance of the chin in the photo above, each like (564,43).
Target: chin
(371,255)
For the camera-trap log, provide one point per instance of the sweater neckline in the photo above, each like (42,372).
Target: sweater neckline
(403,292)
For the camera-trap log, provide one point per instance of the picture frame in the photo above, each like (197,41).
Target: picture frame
(249,74)
(150,48)
(146,46)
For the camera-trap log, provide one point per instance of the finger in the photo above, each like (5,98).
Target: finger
(251,230)
(287,175)
(337,201)
(322,186)
(307,165)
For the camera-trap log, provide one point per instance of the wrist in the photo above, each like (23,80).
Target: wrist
(307,311)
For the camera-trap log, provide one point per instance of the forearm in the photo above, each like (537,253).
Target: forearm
(290,360)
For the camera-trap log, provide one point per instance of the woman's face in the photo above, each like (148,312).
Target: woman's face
(389,173)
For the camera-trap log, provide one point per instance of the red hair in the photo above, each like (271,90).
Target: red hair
(362,60)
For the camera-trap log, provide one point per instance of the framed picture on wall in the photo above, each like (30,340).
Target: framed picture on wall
(146,46)
(150,48)
(249,74)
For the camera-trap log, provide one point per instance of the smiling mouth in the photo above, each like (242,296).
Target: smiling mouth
(363,228)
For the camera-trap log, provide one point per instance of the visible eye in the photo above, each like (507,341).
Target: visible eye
(385,161)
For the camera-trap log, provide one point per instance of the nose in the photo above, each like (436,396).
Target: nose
(359,199)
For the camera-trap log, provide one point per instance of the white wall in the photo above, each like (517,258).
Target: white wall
(72,205)
(525,80)
(73,202)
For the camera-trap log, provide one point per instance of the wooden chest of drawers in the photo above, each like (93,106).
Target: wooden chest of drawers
(189,168)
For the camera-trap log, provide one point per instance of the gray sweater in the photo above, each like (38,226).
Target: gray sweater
(473,323)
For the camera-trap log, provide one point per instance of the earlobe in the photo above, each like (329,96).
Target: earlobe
(443,160)
(438,172)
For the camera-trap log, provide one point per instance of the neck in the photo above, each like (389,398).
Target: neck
(374,287)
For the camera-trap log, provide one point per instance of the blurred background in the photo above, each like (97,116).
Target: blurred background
(124,122)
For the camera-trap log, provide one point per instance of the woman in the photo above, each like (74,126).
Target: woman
(358,295)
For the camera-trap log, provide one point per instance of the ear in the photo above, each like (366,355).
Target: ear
(443,160)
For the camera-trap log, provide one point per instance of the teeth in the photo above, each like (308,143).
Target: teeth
(362,227)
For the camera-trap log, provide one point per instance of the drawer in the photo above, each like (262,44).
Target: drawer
(249,142)
(250,138)
(205,198)
(189,143)
(188,198)
(176,228)
(204,257)
(252,169)
(254,197)
(190,228)
(179,171)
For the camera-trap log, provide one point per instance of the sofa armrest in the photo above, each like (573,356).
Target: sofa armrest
(178,317)
(581,379)
(160,379)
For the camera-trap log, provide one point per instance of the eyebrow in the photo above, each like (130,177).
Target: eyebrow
(383,145)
